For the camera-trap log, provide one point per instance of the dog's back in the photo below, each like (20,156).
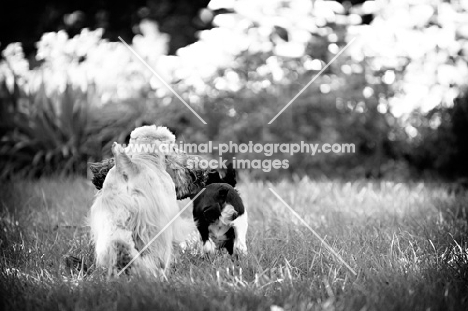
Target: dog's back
(136,204)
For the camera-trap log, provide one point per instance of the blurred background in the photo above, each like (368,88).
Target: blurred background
(69,87)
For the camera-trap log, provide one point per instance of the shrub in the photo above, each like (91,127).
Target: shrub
(47,134)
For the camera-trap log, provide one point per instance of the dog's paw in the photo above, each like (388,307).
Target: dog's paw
(209,247)
(240,248)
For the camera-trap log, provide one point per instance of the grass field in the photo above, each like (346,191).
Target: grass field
(407,242)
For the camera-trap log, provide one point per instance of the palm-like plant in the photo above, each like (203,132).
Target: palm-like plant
(48,135)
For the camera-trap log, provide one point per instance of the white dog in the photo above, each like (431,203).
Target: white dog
(137,200)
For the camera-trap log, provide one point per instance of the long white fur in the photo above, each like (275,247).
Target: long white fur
(240,225)
(151,133)
(137,200)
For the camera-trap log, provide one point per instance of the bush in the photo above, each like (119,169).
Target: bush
(47,134)
(59,134)
(441,149)
(239,75)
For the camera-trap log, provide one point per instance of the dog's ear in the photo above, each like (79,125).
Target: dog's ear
(222,195)
(124,164)
(212,213)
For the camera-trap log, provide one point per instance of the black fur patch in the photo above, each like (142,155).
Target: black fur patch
(207,209)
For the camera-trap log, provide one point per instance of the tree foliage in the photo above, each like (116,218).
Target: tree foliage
(390,93)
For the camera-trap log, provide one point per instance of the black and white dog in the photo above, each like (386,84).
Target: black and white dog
(220,216)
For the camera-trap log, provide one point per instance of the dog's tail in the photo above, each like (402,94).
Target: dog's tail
(230,177)
(182,228)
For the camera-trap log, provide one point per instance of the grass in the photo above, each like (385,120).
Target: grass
(407,242)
